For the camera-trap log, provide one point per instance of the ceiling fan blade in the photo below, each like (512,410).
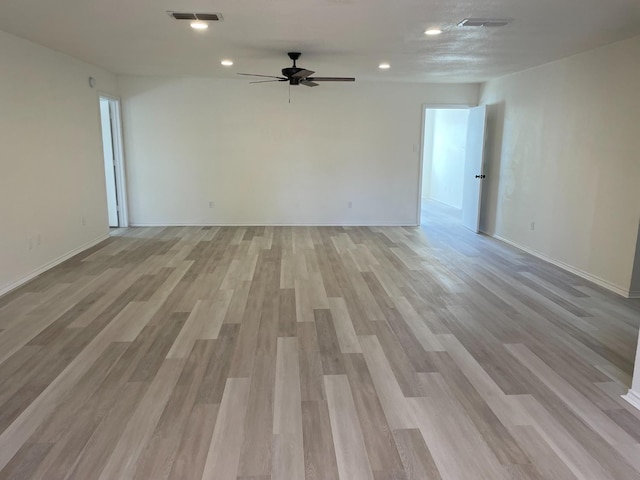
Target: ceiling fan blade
(302,74)
(266,76)
(331,79)
(268,81)
(308,83)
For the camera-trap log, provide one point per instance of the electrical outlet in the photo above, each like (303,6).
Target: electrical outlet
(349,204)
(211,204)
(533,226)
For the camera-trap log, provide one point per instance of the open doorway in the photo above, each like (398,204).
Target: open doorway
(452,161)
(113,161)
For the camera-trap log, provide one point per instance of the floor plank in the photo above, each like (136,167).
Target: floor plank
(351,454)
(315,353)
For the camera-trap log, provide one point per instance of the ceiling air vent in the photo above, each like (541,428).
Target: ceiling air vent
(204,17)
(484,22)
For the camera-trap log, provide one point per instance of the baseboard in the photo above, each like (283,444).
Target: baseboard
(446,205)
(634,294)
(53,263)
(576,271)
(260,224)
(633,398)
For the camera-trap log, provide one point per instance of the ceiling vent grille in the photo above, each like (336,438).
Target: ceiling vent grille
(204,17)
(484,22)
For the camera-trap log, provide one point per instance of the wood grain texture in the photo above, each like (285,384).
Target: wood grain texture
(351,454)
(319,451)
(417,459)
(288,455)
(315,353)
(228,435)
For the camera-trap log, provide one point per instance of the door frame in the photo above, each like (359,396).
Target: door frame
(118,156)
(425,107)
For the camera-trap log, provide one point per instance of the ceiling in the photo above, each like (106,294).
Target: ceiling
(336,37)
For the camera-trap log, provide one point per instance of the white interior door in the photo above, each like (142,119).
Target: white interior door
(109,163)
(473,176)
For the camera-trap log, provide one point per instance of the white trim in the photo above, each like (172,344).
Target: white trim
(420,166)
(576,271)
(449,106)
(118,140)
(108,96)
(633,398)
(634,294)
(274,224)
(52,264)
(118,157)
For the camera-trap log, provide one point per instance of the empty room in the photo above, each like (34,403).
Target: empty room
(320,240)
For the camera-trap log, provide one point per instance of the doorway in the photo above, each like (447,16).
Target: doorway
(452,161)
(113,161)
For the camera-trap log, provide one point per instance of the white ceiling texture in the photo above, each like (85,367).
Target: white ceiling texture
(336,37)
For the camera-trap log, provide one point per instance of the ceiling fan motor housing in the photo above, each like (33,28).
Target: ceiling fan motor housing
(289,72)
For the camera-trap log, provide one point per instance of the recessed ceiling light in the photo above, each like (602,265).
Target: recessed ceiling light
(199,25)
(226,63)
(384,66)
(433,31)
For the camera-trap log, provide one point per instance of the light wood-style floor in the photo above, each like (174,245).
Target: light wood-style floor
(315,353)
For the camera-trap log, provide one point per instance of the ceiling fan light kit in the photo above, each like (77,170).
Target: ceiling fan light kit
(295,75)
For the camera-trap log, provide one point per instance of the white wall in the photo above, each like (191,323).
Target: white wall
(262,160)
(51,168)
(448,157)
(564,145)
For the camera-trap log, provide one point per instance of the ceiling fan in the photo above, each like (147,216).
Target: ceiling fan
(298,76)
